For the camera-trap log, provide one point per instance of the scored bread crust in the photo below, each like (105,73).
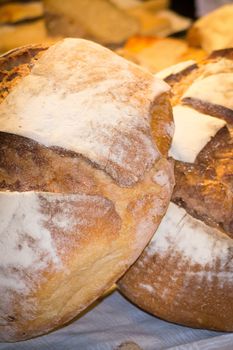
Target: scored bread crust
(185,275)
(80,227)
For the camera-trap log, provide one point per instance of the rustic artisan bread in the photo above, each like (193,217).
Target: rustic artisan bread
(84,134)
(185,275)
(213,31)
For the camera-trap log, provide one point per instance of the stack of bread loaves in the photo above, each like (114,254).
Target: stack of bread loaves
(185,275)
(84,135)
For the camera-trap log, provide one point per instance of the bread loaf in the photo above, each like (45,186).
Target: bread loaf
(99,20)
(83,133)
(185,275)
(213,31)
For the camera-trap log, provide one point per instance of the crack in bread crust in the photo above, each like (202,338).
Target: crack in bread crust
(26,165)
(205,188)
(17,64)
(124,151)
(176,77)
(209,108)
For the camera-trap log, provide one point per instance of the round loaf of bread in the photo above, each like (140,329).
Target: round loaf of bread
(185,275)
(83,135)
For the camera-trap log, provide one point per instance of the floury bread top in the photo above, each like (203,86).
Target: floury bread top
(78,80)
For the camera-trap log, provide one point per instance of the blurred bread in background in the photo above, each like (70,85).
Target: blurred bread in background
(152,5)
(16,11)
(213,31)
(22,34)
(111,21)
(22,24)
(156,54)
(205,6)
(100,20)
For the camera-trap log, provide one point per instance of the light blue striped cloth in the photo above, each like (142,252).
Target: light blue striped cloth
(114,321)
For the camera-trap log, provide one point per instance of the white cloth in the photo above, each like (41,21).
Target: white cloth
(115,321)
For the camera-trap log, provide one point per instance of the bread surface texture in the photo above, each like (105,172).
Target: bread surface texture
(83,132)
(185,275)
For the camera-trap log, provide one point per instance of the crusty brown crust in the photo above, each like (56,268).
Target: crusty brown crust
(175,78)
(169,287)
(210,108)
(16,64)
(205,189)
(99,249)
(227,53)
(168,284)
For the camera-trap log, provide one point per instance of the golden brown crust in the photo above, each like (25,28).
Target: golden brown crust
(110,223)
(205,188)
(161,121)
(171,288)
(175,78)
(16,64)
(178,280)
(209,108)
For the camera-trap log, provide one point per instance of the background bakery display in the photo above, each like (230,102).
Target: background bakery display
(119,25)
(24,23)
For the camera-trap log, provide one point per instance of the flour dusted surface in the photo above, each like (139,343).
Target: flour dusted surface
(180,233)
(193,130)
(24,240)
(214,85)
(26,248)
(84,98)
(29,243)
